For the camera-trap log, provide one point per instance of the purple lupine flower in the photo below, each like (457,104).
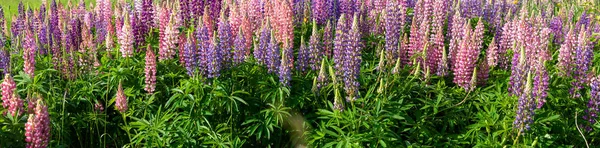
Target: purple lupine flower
(147,17)
(392,31)
(322,78)
(328,39)
(29,48)
(126,39)
(518,73)
(4,60)
(285,69)
(121,100)
(150,70)
(302,63)
(540,83)
(583,56)
(2,27)
(214,58)
(526,106)
(556,25)
(315,48)
(341,37)
(263,41)
(352,60)
(347,7)
(471,8)
(189,54)
(54,27)
(185,11)
(594,103)
(240,48)
(273,57)
(37,128)
(320,11)
(196,9)
(255,13)
(203,42)
(226,40)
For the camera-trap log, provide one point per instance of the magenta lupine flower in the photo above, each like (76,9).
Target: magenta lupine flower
(8,88)
(302,61)
(492,54)
(15,106)
(226,40)
(126,39)
(341,37)
(121,99)
(315,48)
(285,69)
(351,61)
(165,18)
(168,50)
(414,46)
(150,70)
(29,48)
(240,47)
(328,39)
(37,128)
(273,55)
(434,53)
(392,31)
(594,103)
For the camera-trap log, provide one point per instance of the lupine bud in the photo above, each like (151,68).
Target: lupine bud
(483,71)
(98,107)
(126,39)
(121,100)
(29,48)
(315,48)
(322,78)
(37,128)
(303,56)
(150,70)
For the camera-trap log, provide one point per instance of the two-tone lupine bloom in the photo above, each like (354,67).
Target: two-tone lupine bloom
(126,39)
(150,70)
(208,21)
(121,99)
(8,88)
(226,39)
(285,69)
(302,61)
(328,39)
(582,60)
(29,48)
(168,50)
(315,48)
(518,73)
(392,31)
(351,61)
(565,59)
(37,128)
(492,54)
(240,48)
(594,103)
(273,55)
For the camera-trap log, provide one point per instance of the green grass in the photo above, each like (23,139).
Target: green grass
(11,6)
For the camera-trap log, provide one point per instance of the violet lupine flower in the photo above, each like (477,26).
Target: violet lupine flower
(320,11)
(526,107)
(29,48)
(240,47)
(263,44)
(341,37)
(4,61)
(556,25)
(150,70)
(302,63)
(226,40)
(168,50)
(315,48)
(518,73)
(392,31)
(583,56)
(347,7)
(203,43)
(37,128)
(185,11)
(255,13)
(285,69)
(594,103)
(189,55)
(56,34)
(147,16)
(121,100)
(273,57)
(8,89)
(214,58)
(352,60)
(540,83)
(565,56)
(328,39)
(492,54)
(126,39)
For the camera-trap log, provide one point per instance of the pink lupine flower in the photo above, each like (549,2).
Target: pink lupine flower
(150,70)
(29,48)
(126,38)
(121,100)
(492,54)
(168,50)
(8,88)
(37,128)
(565,56)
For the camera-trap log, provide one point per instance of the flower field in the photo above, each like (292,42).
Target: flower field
(300,73)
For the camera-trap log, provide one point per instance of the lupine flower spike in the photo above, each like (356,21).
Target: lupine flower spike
(37,128)
(121,99)
(150,70)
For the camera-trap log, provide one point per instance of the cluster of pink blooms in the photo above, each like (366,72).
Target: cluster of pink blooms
(121,99)
(37,128)
(10,99)
(150,70)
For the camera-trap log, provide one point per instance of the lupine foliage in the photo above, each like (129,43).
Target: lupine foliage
(300,73)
